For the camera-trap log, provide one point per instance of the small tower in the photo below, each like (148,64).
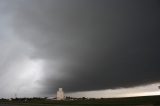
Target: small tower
(60,94)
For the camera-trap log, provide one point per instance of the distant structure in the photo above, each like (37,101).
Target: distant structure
(60,94)
(15,95)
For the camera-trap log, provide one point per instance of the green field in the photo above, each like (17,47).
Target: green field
(131,101)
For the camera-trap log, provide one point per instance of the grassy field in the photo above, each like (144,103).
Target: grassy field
(132,101)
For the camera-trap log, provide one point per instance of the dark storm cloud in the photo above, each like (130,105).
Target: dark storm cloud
(92,45)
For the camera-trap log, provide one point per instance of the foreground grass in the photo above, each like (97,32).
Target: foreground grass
(132,101)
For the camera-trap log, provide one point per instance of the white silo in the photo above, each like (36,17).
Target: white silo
(60,94)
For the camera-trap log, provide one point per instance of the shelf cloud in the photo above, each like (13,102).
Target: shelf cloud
(86,45)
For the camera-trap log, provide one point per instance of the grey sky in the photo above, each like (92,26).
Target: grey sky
(78,45)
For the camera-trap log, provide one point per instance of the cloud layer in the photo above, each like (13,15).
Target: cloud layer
(89,45)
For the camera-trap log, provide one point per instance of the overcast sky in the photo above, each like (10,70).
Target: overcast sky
(92,47)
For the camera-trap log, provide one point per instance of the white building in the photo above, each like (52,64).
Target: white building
(60,94)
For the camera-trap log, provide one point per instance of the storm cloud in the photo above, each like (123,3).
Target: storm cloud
(88,44)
